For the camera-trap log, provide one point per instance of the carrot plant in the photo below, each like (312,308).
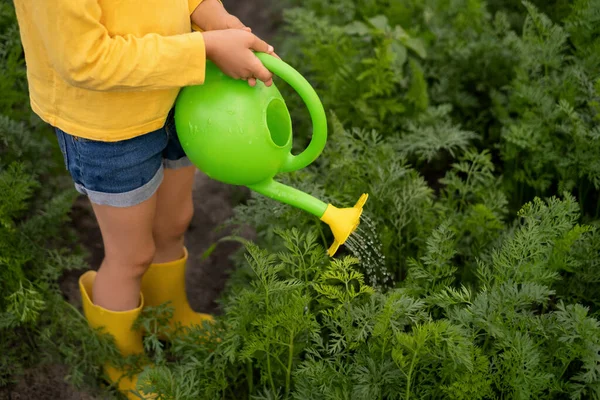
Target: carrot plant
(473,127)
(309,327)
(493,272)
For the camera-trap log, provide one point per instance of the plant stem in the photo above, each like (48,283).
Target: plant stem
(409,377)
(289,366)
(283,366)
(269,348)
(485,343)
(303,263)
(75,311)
(250,378)
(269,371)
(320,227)
(383,348)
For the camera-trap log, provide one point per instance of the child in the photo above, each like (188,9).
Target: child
(105,75)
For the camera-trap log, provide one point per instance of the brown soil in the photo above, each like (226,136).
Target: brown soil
(206,277)
(45,382)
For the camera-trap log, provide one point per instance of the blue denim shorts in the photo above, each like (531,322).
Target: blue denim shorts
(123,173)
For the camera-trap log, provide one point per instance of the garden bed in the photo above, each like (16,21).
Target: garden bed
(472,125)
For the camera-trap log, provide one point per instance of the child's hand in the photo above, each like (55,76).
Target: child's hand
(231,51)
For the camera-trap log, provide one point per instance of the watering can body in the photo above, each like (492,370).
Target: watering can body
(242,135)
(234,133)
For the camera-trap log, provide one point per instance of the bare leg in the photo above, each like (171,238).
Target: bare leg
(174,211)
(129,250)
(165,279)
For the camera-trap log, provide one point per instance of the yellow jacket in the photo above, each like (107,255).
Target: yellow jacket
(109,70)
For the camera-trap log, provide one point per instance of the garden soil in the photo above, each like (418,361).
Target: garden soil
(206,275)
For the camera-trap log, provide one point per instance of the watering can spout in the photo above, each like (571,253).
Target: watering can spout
(342,221)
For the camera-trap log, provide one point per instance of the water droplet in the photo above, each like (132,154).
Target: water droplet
(365,245)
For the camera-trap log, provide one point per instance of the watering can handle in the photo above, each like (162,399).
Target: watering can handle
(315,108)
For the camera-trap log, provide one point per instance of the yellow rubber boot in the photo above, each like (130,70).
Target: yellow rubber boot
(166,282)
(118,324)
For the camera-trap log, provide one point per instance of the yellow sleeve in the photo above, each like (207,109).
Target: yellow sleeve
(85,55)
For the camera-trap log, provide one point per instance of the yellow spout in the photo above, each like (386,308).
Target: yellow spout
(343,221)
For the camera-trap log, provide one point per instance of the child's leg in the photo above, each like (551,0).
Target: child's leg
(174,211)
(129,250)
(165,280)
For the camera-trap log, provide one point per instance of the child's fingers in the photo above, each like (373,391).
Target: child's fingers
(259,71)
(252,82)
(260,45)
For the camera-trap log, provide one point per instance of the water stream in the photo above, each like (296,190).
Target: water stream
(365,245)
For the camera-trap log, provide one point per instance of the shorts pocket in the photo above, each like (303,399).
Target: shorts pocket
(62,143)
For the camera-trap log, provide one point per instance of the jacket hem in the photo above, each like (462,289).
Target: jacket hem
(82,131)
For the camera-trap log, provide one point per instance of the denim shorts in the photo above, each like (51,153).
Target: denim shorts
(123,173)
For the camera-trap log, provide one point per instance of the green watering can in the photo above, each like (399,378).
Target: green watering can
(242,135)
